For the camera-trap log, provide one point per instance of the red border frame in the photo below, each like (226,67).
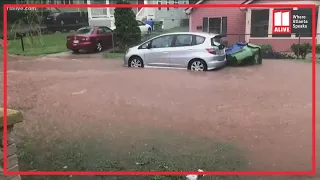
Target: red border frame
(312,172)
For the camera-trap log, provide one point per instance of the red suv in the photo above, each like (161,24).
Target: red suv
(92,39)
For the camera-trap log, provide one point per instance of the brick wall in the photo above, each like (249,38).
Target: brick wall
(13,117)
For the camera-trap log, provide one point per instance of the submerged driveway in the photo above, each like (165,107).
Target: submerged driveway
(264,110)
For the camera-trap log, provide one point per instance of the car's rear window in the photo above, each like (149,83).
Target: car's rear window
(216,41)
(54,15)
(87,30)
(140,23)
(200,40)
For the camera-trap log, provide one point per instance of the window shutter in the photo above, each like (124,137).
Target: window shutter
(224,26)
(205,23)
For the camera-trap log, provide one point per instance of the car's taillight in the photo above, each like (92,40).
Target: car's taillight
(211,51)
(85,39)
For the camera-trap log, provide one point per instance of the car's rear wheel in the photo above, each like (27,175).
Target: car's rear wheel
(76,51)
(198,65)
(135,62)
(99,47)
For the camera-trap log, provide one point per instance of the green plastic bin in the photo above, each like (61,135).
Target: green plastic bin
(249,54)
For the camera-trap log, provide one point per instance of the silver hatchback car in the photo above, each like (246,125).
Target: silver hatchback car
(190,50)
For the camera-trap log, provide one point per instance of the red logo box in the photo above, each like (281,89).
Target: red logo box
(282,22)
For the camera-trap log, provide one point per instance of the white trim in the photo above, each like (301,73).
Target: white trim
(248,25)
(190,23)
(270,23)
(189,10)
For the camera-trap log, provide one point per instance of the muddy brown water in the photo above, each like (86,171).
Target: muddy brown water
(264,110)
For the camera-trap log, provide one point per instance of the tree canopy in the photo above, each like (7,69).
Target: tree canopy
(127,28)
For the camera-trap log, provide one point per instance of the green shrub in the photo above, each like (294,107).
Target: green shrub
(301,50)
(158,25)
(318,48)
(266,48)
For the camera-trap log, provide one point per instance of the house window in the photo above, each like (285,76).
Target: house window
(159,3)
(168,2)
(308,12)
(259,23)
(176,2)
(216,25)
(282,35)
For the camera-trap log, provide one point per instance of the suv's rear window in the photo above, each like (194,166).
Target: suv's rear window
(87,30)
(216,41)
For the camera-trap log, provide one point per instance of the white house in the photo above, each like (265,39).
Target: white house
(171,17)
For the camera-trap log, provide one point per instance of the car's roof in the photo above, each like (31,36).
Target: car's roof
(85,27)
(94,27)
(194,33)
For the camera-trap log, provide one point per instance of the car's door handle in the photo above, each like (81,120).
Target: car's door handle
(165,52)
(190,49)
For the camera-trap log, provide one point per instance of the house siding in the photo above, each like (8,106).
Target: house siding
(235,19)
(171,17)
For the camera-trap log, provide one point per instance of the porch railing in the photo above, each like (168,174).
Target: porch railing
(142,13)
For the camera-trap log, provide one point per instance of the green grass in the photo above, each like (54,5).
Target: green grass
(39,45)
(177,29)
(156,151)
(113,55)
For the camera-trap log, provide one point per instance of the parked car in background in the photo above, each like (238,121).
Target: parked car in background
(144,28)
(61,21)
(193,51)
(92,39)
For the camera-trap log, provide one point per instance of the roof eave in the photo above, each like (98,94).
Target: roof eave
(189,10)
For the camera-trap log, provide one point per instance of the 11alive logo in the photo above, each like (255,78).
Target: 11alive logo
(282,22)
